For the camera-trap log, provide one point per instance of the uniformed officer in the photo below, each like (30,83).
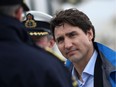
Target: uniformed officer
(38,26)
(22,64)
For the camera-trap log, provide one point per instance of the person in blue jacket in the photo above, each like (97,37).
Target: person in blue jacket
(93,64)
(23,64)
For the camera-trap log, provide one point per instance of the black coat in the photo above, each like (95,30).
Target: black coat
(22,65)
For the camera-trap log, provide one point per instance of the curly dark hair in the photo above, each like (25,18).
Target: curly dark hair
(72,17)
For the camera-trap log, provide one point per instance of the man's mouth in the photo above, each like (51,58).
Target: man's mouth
(71,52)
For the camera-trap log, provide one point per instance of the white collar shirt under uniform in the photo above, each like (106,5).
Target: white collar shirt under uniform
(88,73)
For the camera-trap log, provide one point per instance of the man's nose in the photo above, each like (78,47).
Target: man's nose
(68,43)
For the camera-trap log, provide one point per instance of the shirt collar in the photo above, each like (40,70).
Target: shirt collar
(89,69)
(91,64)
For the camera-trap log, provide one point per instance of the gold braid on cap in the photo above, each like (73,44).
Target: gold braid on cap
(30,22)
(38,33)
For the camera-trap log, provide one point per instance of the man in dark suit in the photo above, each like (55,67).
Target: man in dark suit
(21,63)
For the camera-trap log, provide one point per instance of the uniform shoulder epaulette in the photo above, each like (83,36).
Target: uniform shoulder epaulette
(55,54)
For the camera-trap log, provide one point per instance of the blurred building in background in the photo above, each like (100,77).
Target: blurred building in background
(102,13)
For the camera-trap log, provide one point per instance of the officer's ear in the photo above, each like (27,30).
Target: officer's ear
(18,13)
(51,43)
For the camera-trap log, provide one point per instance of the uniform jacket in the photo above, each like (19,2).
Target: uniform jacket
(108,58)
(23,65)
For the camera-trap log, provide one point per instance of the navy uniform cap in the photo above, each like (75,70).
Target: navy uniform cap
(14,2)
(37,23)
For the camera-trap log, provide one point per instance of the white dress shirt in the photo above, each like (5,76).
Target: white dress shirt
(88,73)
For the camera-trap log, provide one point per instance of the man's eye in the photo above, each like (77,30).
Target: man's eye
(59,40)
(72,34)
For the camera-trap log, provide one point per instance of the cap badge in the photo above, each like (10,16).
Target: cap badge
(30,22)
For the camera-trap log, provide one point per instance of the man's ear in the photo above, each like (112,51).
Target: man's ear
(90,34)
(18,13)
